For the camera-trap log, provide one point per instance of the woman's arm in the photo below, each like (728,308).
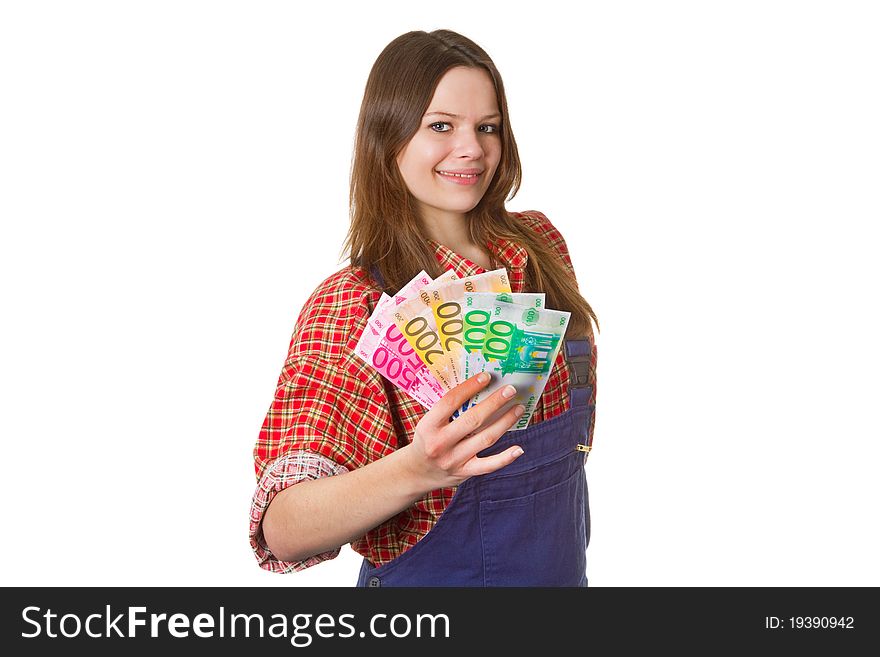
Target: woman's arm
(322,514)
(316,515)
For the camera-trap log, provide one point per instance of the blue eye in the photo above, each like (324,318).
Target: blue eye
(444,126)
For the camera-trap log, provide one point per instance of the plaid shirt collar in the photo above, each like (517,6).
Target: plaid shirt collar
(507,254)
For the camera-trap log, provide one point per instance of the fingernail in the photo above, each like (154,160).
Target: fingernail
(517,452)
(509,391)
(519,409)
(482,377)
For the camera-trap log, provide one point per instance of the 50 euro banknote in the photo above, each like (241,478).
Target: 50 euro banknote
(516,344)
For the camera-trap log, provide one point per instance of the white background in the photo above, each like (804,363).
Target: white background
(173,185)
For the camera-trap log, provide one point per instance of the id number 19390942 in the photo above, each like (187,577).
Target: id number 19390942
(810,622)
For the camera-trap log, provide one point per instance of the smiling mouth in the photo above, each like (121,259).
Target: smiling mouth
(466,176)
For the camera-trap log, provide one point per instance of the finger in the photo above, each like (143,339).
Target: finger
(487,464)
(468,448)
(452,400)
(477,415)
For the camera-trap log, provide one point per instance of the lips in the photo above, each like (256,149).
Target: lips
(460,176)
(461,173)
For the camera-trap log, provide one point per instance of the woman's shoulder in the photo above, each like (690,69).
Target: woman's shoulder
(344,289)
(334,314)
(538,222)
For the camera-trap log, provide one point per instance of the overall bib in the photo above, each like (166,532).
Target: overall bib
(527,524)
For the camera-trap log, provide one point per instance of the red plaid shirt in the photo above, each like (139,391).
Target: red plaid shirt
(333,413)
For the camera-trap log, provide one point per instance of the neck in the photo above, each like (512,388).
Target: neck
(447,228)
(451,230)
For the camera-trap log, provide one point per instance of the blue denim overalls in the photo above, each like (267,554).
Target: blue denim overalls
(527,524)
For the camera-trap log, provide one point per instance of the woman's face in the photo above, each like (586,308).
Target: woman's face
(459,134)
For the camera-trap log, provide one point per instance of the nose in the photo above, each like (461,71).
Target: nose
(468,145)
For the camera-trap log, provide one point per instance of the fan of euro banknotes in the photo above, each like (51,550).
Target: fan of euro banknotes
(434,334)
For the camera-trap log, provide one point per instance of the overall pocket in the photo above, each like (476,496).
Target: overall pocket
(538,539)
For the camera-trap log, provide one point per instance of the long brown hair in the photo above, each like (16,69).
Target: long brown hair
(399,89)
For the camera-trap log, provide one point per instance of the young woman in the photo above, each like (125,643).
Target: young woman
(346,457)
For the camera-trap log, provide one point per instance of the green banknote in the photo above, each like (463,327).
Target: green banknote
(516,343)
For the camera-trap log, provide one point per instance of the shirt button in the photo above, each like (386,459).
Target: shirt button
(375,581)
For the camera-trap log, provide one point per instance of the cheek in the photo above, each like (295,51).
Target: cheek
(493,158)
(496,151)
(427,155)
(409,166)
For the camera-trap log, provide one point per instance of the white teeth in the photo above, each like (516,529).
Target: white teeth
(459,175)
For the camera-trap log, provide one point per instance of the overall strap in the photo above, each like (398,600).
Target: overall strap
(578,355)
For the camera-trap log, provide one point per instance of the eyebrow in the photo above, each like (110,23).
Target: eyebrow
(456,116)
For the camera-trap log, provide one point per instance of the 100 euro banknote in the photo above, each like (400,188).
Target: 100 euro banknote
(517,344)
(528,299)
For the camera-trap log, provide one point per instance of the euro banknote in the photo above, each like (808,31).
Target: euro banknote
(516,343)
(445,299)
(528,299)
(383,346)
(442,299)
(415,320)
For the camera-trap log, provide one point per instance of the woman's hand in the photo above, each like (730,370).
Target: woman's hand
(444,453)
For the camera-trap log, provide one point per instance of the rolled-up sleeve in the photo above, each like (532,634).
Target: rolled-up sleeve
(286,471)
(329,414)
